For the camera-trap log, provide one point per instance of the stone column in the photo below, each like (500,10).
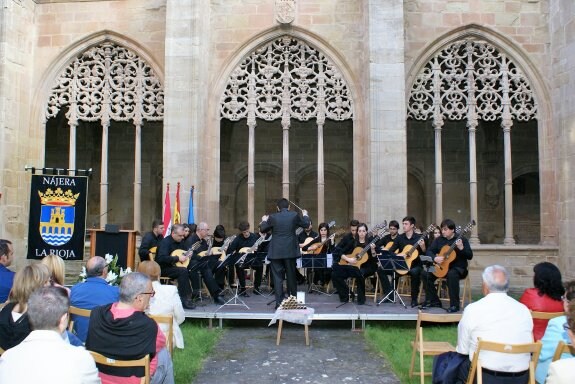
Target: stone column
(506,123)
(472,127)
(437,126)
(383,134)
(138,177)
(104,176)
(286,102)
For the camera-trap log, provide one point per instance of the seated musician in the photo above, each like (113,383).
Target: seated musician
(218,240)
(387,241)
(457,266)
(303,239)
(167,262)
(149,245)
(205,270)
(321,245)
(348,239)
(407,238)
(350,267)
(246,239)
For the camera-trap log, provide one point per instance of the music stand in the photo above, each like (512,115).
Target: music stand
(313,261)
(392,262)
(256,259)
(199,264)
(231,260)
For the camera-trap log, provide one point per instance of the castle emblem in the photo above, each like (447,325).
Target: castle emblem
(57,216)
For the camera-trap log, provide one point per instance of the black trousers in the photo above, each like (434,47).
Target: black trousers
(281,268)
(491,377)
(182,276)
(257,279)
(205,271)
(453,276)
(338,276)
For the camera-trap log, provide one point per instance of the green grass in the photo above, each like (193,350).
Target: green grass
(199,340)
(393,341)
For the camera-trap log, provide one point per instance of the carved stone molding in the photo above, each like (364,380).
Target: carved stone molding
(106,83)
(286,75)
(285,11)
(470,79)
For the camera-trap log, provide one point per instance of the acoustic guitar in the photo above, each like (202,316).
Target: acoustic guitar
(448,252)
(310,239)
(152,253)
(187,254)
(410,251)
(360,254)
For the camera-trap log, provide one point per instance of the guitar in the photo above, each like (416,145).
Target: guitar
(360,254)
(310,239)
(152,253)
(318,247)
(222,250)
(410,251)
(448,252)
(187,254)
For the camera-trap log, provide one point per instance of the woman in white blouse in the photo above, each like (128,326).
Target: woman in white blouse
(166,301)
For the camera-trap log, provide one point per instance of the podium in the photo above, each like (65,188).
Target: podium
(121,243)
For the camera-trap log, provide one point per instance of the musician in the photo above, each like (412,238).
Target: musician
(205,270)
(284,250)
(246,239)
(151,240)
(408,237)
(386,241)
(218,239)
(342,272)
(166,260)
(321,274)
(348,239)
(307,235)
(457,267)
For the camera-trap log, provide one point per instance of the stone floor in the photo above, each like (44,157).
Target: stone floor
(248,354)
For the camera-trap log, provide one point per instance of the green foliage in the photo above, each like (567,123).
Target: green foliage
(393,340)
(199,341)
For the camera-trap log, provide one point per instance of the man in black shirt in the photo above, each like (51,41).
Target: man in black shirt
(149,245)
(169,269)
(348,239)
(246,239)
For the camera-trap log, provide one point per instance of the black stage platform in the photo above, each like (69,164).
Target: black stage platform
(326,308)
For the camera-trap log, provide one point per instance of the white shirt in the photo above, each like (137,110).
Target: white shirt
(166,301)
(44,357)
(498,318)
(562,372)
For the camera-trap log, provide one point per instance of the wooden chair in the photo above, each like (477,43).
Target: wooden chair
(429,348)
(545,315)
(563,348)
(143,362)
(465,292)
(1,351)
(169,321)
(78,312)
(476,370)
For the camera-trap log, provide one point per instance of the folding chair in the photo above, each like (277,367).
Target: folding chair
(465,292)
(166,322)
(429,348)
(77,312)
(533,348)
(563,348)
(143,362)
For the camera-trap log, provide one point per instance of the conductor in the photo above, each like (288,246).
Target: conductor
(284,249)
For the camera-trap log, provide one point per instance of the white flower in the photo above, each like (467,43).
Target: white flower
(124,272)
(109,258)
(111,277)
(83,273)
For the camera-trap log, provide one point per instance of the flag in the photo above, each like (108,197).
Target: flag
(191,207)
(167,213)
(177,219)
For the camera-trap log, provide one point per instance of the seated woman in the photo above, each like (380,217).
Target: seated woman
(554,334)
(14,323)
(57,270)
(563,371)
(166,301)
(546,296)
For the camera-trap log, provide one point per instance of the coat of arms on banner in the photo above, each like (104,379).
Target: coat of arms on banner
(285,11)
(57,215)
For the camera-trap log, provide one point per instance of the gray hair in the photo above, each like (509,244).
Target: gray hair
(46,307)
(132,285)
(95,266)
(496,278)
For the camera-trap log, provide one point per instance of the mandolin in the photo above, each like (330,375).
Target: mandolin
(187,254)
(222,250)
(207,252)
(318,247)
(360,254)
(410,251)
(152,253)
(448,252)
(310,239)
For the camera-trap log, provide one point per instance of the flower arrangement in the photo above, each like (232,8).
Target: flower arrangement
(115,272)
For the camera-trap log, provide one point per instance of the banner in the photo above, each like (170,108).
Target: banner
(57,216)
(167,213)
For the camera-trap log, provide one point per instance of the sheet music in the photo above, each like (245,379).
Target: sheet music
(329,260)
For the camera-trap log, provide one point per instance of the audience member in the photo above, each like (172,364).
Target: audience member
(546,296)
(6,275)
(57,270)
(554,333)
(123,331)
(166,301)
(563,371)
(93,292)
(14,321)
(43,356)
(499,318)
